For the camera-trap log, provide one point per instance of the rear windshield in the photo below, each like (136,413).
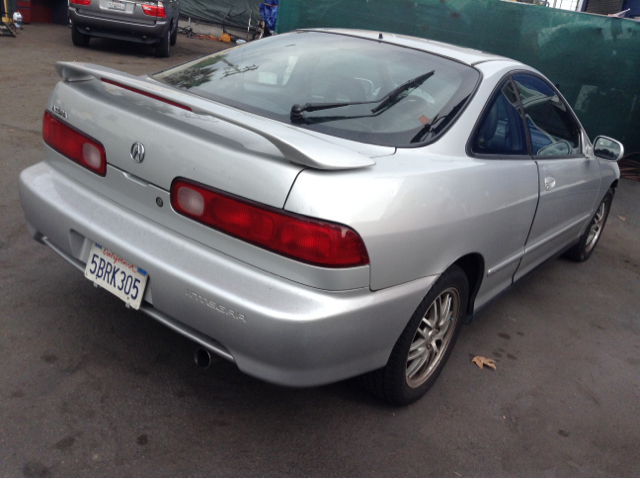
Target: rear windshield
(268,77)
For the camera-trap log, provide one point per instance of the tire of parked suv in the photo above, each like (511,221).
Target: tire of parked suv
(79,39)
(174,35)
(162,48)
(589,239)
(429,338)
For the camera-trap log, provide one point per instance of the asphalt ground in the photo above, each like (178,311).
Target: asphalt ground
(89,388)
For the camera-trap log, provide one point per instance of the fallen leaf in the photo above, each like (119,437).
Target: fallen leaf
(482,361)
(621,217)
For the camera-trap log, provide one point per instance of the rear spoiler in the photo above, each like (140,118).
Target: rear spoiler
(295,145)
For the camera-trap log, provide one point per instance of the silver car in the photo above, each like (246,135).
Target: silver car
(321,204)
(152,22)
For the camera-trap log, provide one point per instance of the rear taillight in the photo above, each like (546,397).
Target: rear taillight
(154,10)
(80,2)
(73,144)
(304,239)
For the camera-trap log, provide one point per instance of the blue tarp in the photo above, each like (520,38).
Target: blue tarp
(269,12)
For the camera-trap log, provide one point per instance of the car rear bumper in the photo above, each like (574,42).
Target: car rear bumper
(118,30)
(273,328)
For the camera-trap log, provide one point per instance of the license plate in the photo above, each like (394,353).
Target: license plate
(116,275)
(116,5)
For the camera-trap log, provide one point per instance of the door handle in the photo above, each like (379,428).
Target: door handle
(549,182)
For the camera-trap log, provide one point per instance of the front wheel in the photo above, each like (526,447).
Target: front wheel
(425,344)
(589,239)
(162,48)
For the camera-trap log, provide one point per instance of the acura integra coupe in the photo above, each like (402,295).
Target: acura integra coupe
(321,204)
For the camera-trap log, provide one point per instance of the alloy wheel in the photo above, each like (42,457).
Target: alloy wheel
(432,337)
(596,227)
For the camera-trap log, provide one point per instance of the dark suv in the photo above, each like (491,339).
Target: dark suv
(150,22)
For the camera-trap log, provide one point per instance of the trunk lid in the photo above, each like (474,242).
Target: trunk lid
(176,144)
(237,156)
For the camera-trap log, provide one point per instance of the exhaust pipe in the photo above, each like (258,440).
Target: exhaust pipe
(203,358)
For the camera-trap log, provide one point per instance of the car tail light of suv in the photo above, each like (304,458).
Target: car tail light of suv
(74,144)
(154,10)
(304,239)
(80,2)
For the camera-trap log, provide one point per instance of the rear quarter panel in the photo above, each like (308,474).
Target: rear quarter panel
(418,213)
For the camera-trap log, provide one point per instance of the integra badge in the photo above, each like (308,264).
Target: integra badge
(59,111)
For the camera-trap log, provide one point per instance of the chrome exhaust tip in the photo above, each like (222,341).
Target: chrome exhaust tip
(202,358)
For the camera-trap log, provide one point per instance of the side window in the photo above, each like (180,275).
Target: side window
(501,131)
(552,128)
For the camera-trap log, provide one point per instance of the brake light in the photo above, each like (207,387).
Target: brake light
(304,239)
(73,144)
(154,10)
(150,95)
(80,2)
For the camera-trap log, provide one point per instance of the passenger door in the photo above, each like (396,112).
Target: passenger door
(500,142)
(569,181)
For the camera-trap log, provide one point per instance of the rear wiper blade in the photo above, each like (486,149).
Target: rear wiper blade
(387,101)
(395,95)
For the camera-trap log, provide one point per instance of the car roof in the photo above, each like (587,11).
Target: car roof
(468,56)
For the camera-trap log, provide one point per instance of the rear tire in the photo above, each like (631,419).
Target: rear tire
(79,39)
(174,35)
(424,346)
(162,48)
(589,239)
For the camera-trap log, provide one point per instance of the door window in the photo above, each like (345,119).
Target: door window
(552,127)
(501,131)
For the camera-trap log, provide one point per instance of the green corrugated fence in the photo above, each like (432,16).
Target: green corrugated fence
(595,60)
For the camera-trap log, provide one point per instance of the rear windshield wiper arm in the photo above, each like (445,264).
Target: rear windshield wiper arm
(387,101)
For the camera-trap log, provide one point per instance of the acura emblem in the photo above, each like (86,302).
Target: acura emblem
(137,152)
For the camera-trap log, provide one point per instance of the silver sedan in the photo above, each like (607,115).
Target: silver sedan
(321,204)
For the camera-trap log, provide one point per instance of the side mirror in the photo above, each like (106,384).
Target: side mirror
(608,148)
